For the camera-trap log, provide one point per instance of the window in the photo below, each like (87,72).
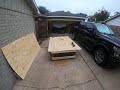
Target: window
(83,25)
(90,26)
(104,29)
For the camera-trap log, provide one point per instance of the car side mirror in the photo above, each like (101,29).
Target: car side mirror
(91,29)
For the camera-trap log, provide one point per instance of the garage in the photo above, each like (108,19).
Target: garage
(55,25)
(58,25)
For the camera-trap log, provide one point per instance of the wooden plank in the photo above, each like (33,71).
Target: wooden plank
(63,58)
(66,55)
(21,53)
(62,44)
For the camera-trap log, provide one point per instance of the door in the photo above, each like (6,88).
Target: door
(79,32)
(89,35)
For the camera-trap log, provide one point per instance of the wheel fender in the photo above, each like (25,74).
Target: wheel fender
(102,45)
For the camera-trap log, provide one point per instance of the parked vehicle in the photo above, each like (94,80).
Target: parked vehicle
(99,39)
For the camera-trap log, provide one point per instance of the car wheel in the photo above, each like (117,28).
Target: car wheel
(100,56)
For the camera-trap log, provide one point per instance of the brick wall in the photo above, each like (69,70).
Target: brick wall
(16,21)
(116,30)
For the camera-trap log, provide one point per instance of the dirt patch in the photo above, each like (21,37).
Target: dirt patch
(73,74)
(60,63)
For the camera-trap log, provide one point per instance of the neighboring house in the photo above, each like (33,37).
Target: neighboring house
(16,21)
(114,24)
(114,21)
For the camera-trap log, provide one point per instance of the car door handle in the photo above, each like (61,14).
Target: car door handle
(97,37)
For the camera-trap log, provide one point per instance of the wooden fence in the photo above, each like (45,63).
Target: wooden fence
(116,30)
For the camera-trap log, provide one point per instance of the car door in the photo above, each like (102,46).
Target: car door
(78,32)
(89,36)
(82,28)
(82,32)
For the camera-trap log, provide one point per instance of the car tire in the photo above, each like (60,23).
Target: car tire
(100,56)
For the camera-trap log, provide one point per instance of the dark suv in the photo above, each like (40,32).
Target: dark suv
(99,39)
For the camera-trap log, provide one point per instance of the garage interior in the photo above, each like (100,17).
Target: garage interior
(60,27)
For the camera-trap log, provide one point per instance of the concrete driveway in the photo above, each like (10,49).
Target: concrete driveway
(74,74)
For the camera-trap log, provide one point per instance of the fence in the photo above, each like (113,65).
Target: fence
(116,29)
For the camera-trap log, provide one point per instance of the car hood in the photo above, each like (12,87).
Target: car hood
(112,38)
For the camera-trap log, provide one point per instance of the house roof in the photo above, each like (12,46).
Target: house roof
(118,15)
(62,18)
(33,6)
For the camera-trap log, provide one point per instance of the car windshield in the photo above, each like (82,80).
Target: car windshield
(104,29)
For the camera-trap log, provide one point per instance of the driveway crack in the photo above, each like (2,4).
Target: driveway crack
(57,87)
(91,69)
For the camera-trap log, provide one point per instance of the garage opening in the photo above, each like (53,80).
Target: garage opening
(47,26)
(60,27)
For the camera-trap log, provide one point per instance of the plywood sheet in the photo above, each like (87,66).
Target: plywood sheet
(21,53)
(62,44)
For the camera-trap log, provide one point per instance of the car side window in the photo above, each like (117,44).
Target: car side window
(90,27)
(83,26)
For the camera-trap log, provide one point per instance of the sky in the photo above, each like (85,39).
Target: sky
(88,7)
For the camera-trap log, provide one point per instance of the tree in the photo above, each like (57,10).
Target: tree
(101,15)
(68,13)
(43,10)
(117,13)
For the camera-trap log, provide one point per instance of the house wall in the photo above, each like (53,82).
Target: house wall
(115,22)
(16,21)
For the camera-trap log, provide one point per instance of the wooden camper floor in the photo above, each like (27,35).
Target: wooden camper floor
(74,74)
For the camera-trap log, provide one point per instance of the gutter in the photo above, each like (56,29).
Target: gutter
(33,6)
(112,18)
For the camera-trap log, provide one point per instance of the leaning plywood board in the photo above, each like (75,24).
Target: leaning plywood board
(21,53)
(62,48)
(62,44)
